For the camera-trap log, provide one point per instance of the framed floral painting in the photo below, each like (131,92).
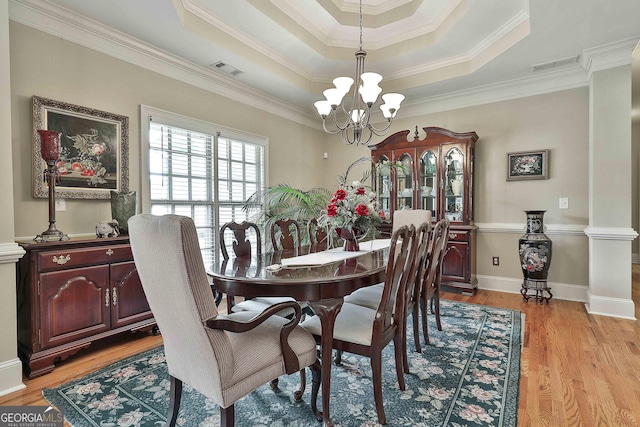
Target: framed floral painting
(528,165)
(94,150)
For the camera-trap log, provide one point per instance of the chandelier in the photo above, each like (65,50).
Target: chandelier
(358,117)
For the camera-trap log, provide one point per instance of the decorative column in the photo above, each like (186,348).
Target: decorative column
(610,230)
(10,252)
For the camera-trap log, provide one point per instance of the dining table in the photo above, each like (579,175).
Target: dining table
(322,278)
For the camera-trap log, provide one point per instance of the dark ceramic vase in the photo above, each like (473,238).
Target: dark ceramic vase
(123,207)
(535,257)
(350,238)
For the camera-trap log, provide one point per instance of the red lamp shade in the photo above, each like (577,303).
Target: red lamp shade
(49,144)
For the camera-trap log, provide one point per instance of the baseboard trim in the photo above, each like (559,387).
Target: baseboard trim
(611,307)
(635,258)
(11,376)
(564,291)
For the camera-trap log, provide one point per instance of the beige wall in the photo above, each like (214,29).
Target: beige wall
(50,67)
(558,122)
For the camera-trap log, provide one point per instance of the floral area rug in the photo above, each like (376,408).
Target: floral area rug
(468,376)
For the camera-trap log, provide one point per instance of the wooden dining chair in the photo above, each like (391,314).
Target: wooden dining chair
(285,234)
(365,331)
(370,295)
(242,248)
(224,357)
(432,276)
(318,236)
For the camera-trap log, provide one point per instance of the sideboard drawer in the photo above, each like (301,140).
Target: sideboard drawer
(458,235)
(62,259)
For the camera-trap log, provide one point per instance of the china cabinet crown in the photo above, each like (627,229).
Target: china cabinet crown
(434,173)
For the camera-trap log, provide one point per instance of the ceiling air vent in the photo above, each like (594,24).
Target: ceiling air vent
(555,64)
(226,68)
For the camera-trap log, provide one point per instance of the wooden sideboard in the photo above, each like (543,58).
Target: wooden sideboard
(72,293)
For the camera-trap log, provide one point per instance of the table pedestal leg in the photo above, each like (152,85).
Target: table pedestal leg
(326,310)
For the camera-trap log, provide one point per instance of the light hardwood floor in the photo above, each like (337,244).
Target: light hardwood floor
(577,369)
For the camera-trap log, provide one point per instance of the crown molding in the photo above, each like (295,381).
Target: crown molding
(610,55)
(83,31)
(50,18)
(548,82)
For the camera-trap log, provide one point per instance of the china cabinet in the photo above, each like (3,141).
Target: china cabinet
(72,293)
(434,173)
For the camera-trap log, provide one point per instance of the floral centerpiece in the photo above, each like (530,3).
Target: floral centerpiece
(353,213)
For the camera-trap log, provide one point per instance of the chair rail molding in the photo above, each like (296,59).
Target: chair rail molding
(10,253)
(520,228)
(611,233)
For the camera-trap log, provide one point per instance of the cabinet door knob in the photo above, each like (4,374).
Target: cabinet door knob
(453,235)
(106,298)
(61,260)
(109,252)
(114,296)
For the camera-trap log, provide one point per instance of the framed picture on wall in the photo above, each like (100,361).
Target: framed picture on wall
(528,165)
(94,150)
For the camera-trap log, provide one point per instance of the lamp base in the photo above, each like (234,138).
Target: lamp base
(50,236)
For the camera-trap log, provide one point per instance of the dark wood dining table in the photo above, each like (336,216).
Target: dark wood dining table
(323,287)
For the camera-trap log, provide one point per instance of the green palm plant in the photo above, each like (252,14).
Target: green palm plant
(283,201)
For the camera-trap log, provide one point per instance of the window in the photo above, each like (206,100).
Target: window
(199,170)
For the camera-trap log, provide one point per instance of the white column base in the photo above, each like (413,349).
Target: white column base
(11,376)
(613,307)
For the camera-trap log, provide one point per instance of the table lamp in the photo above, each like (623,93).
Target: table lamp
(50,152)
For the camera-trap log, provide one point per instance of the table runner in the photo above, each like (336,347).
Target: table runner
(333,255)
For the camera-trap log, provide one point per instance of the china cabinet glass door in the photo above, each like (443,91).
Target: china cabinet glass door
(454,184)
(383,185)
(429,183)
(405,182)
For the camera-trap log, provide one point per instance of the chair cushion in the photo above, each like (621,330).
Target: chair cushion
(253,369)
(261,303)
(368,296)
(353,324)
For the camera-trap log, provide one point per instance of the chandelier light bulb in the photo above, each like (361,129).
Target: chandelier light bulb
(334,96)
(386,112)
(357,116)
(343,84)
(323,107)
(369,93)
(393,100)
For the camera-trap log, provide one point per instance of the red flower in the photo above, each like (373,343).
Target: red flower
(381,214)
(360,191)
(362,210)
(340,194)
(332,210)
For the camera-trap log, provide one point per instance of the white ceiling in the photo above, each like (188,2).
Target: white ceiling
(432,51)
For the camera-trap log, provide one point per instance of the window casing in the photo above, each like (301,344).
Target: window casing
(200,170)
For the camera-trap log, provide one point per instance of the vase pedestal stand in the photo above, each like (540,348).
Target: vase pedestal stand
(538,287)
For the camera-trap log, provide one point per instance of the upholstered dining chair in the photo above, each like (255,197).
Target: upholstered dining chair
(432,276)
(242,250)
(224,357)
(365,331)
